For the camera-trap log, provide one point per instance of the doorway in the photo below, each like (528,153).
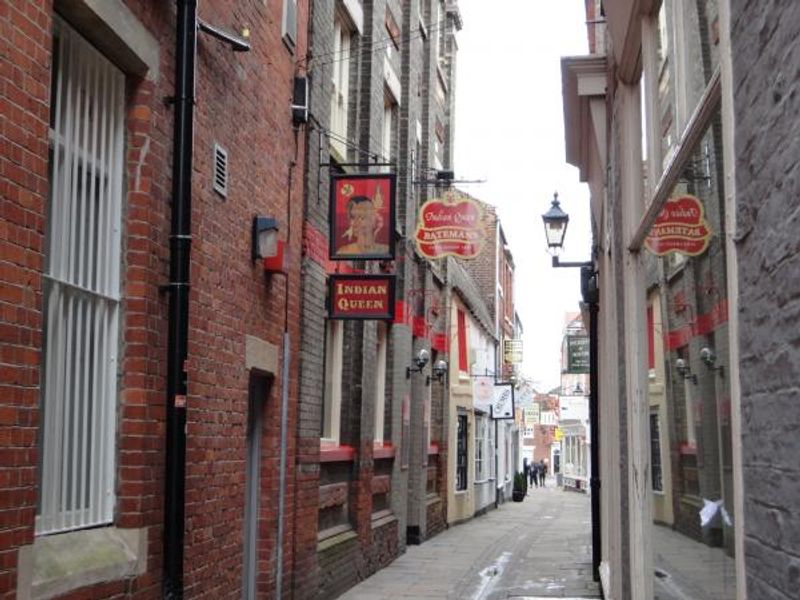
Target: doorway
(257,397)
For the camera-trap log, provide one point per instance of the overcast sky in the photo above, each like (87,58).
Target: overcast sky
(509,131)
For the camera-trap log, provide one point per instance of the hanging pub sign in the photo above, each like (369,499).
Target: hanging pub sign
(503,401)
(450,225)
(512,351)
(482,392)
(362,218)
(361,297)
(577,354)
(680,227)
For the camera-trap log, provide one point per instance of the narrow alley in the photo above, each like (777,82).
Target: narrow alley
(538,548)
(296,294)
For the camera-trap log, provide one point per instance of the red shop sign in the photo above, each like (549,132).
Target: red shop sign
(450,225)
(361,297)
(680,227)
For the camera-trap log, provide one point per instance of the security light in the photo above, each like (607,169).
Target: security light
(685,371)
(420,360)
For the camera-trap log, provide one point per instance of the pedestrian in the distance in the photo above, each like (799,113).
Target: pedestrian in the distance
(535,474)
(542,472)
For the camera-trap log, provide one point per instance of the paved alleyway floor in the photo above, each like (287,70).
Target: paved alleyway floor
(538,548)
(689,570)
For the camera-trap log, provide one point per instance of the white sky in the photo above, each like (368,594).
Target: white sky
(509,131)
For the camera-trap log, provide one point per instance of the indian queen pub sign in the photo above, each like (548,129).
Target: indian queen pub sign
(360,297)
(362,216)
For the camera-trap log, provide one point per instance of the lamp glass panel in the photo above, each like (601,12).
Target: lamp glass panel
(268,243)
(555,230)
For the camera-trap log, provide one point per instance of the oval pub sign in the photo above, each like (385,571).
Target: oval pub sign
(451,225)
(680,227)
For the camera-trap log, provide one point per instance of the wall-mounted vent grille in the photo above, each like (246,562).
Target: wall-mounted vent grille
(220,170)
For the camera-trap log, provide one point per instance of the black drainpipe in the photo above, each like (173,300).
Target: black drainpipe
(180,247)
(591,295)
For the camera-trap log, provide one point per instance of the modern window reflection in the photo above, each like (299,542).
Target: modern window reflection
(690,436)
(690,398)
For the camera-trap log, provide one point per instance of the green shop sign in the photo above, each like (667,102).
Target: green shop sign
(577,354)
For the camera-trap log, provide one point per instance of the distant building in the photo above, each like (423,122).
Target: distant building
(573,422)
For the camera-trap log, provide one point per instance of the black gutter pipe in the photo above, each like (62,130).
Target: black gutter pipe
(591,296)
(180,248)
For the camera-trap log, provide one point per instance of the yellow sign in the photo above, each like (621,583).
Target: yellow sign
(559,434)
(512,351)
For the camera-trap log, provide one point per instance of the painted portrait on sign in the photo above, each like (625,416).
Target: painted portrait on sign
(362,217)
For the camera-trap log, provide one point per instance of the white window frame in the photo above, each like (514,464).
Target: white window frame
(492,453)
(481,453)
(380,382)
(691,427)
(332,400)
(439,27)
(340,79)
(289,23)
(82,289)
(389,116)
(462,418)
(659,447)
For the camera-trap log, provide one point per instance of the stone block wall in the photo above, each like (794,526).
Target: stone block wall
(766,97)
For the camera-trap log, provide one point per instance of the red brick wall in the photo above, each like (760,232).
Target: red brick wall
(24,99)
(484,267)
(545,435)
(242,102)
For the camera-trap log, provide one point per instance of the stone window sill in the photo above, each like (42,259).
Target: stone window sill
(57,564)
(335,536)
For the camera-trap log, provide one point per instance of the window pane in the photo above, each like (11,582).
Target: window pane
(380,382)
(689,396)
(688,56)
(81,292)
(332,401)
(461,453)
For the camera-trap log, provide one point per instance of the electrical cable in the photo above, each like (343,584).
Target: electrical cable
(359,45)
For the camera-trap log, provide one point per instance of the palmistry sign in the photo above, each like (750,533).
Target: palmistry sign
(503,401)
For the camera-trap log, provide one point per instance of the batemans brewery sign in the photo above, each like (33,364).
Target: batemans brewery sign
(680,227)
(450,225)
(361,297)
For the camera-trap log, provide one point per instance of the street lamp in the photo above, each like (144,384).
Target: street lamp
(555,227)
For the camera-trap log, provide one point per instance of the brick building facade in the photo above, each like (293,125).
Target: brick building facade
(371,434)
(87,144)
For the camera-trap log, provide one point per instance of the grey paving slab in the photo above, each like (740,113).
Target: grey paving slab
(539,548)
(690,570)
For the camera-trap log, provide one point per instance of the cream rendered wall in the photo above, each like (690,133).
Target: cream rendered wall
(662,501)
(461,504)
(481,360)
